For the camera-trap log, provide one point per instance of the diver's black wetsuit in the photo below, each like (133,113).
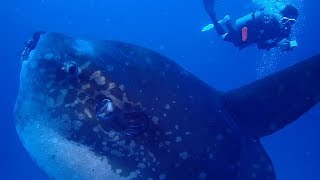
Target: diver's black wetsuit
(264,30)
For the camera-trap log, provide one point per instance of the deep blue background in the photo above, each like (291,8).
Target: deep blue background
(171,27)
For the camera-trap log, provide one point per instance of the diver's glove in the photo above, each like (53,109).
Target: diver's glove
(287,45)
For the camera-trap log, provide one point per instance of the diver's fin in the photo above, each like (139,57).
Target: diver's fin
(269,104)
(209,7)
(211,26)
(207,27)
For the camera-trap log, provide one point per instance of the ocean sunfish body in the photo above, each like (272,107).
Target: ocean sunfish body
(112,110)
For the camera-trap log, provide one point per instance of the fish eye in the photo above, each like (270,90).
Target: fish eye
(71,68)
(105,110)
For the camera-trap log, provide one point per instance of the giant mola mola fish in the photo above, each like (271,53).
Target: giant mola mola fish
(112,110)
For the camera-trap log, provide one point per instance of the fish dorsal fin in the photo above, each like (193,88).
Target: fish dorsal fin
(254,162)
(271,103)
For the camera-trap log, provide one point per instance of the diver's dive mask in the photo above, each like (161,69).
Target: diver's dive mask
(286,21)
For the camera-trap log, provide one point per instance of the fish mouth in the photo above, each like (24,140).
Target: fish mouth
(30,45)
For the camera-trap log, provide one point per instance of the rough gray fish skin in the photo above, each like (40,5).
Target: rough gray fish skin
(112,110)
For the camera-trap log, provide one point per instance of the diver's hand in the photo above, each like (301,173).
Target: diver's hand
(285,45)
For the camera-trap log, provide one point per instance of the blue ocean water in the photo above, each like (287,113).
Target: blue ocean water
(174,29)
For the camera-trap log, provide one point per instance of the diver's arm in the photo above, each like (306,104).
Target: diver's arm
(285,44)
(209,7)
(288,44)
(267,45)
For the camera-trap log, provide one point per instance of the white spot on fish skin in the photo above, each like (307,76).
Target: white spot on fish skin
(253,175)
(111,134)
(87,112)
(116,153)
(202,176)
(164,114)
(101,81)
(167,107)
(86,86)
(219,137)
(124,98)
(50,102)
(155,120)
(111,85)
(116,138)
(48,56)
(269,168)
(81,116)
(122,143)
(118,171)
(61,97)
(121,87)
(85,65)
(65,117)
(76,125)
(83,47)
(132,144)
(95,75)
(188,133)
(105,149)
(210,156)
(184,155)
(141,165)
(173,102)
(96,129)
(167,143)
(178,139)
(134,175)
(148,60)
(229,131)
(110,68)
(176,127)
(162,177)
(161,145)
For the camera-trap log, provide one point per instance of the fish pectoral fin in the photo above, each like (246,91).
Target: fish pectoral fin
(134,123)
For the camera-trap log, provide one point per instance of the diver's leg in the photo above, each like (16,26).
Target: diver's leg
(209,7)
(230,27)
(218,27)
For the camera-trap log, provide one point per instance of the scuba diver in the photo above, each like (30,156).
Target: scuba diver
(261,28)
(30,45)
